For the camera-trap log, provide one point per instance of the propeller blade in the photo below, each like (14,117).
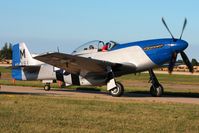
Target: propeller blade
(172,63)
(184,25)
(163,21)
(186,61)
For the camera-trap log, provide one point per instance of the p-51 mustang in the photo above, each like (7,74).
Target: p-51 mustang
(97,63)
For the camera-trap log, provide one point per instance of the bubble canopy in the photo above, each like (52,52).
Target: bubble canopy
(92,46)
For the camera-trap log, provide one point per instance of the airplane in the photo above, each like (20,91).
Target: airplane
(97,63)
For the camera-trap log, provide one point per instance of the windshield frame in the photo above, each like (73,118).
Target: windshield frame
(93,46)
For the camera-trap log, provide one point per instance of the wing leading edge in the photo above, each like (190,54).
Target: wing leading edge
(76,64)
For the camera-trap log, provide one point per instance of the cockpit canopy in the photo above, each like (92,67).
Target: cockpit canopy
(93,47)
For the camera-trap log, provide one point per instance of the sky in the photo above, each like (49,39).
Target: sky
(45,25)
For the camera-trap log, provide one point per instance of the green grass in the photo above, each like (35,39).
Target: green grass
(26,113)
(164,78)
(25,83)
(5,69)
(47,113)
(143,77)
(131,82)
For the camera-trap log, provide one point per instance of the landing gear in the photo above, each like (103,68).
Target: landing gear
(156,89)
(47,87)
(118,90)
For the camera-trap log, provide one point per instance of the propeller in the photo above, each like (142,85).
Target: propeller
(186,61)
(163,21)
(174,55)
(172,62)
(184,25)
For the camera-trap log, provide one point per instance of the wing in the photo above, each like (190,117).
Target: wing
(75,64)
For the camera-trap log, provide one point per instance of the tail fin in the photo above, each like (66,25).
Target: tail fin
(25,67)
(21,55)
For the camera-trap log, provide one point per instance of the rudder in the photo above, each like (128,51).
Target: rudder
(21,55)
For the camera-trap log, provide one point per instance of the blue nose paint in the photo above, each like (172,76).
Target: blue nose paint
(179,46)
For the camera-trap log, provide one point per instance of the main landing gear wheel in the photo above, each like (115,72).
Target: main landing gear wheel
(47,87)
(156,91)
(117,91)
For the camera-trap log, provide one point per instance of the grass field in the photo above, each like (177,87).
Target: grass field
(4,69)
(47,113)
(131,82)
(25,113)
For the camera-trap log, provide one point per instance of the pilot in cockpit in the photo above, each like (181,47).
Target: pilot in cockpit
(105,47)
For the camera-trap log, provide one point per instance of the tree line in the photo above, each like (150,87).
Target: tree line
(6,52)
(194,62)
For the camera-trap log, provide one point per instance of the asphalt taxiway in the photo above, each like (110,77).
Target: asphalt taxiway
(104,96)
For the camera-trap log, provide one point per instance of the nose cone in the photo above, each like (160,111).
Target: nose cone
(179,46)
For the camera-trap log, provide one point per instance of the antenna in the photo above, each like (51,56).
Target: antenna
(58,49)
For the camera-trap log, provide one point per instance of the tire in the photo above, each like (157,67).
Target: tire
(157,91)
(47,87)
(117,91)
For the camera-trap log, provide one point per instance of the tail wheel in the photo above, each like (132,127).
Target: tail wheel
(157,91)
(47,87)
(118,90)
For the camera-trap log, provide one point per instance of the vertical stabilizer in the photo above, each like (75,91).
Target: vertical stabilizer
(25,67)
(21,55)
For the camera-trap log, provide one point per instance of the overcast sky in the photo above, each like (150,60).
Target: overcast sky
(45,24)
